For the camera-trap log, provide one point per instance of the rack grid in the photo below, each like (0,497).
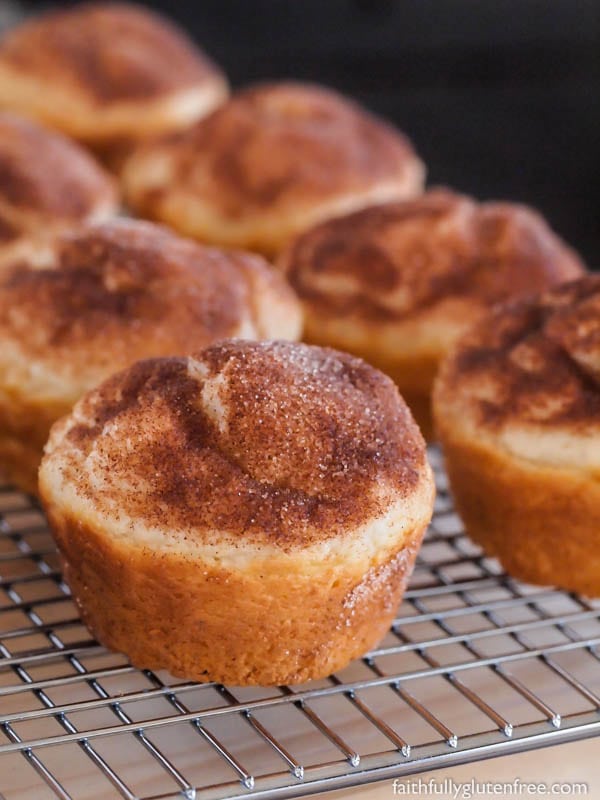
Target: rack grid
(476,664)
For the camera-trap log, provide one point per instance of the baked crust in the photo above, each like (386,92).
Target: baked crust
(399,283)
(104,71)
(46,183)
(542,522)
(100,297)
(270,162)
(517,408)
(24,427)
(274,624)
(261,522)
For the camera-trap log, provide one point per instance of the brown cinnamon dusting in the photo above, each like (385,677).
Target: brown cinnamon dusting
(110,51)
(397,259)
(279,143)
(8,231)
(124,290)
(42,172)
(310,435)
(542,357)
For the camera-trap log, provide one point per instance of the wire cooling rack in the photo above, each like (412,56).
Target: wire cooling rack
(476,664)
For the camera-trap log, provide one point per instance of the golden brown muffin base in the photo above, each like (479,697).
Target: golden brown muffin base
(19,463)
(113,154)
(420,406)
(414,379)
(266,625)
(24,430)
(542,523)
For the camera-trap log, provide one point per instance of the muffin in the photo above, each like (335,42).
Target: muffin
(249,514)
(269,163)
(99,298)
(46,183)
(399,283)
(107,74)
(517,406)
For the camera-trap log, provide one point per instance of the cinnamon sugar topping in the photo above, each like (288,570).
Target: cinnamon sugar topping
(123,290)
(536,361)
(110,52)
(393,260)
(278,144)
(45,177)
(273,442)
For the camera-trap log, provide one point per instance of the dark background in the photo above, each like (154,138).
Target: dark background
(501,97)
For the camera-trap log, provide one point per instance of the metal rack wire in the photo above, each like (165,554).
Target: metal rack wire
(476,664)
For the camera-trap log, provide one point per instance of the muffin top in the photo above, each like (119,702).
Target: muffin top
(107,53)
(532,365)
(102,296)
(275,147)
(46,181)
(255,444)
(394,262)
